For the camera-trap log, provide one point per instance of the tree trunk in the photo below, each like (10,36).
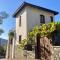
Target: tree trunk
(46,48)
(37,47)
(43,49)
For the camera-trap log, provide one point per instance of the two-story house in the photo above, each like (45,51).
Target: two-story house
(29,15)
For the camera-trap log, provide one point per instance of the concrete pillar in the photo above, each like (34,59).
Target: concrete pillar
(7,50)
(13,48)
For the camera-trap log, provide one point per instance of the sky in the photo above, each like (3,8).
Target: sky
(10,7)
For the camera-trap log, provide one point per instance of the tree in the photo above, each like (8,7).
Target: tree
(3,15)
(11,35)
(1,31)
(44,32)
(2,51)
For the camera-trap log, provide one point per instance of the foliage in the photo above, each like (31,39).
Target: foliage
(43,30)
(5,47)
(23,43)
(1,31)
(32,35)
(2,51)
(3,15)
(57,26)
(11,34)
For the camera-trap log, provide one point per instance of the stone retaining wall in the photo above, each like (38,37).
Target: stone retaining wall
(55,56)
(56,53)
(31,54)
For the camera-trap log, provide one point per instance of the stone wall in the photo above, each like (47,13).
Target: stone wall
(31,54)
(56,53)
(19,53)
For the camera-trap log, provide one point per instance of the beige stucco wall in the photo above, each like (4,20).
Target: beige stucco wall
(33,17)
(30,18)
(21,30)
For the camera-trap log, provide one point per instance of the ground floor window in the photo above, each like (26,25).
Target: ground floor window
(19,39)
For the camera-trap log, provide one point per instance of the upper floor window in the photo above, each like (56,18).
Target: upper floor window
(42,19)
(20,21)
(20,39)
(51,18)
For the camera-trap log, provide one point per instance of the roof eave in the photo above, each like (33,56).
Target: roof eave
(25,4)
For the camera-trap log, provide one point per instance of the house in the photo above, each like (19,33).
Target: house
(29,15)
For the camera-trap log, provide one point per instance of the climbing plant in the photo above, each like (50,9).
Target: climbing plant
(43,30)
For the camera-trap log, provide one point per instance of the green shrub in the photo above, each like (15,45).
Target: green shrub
(2,51)
(44,30)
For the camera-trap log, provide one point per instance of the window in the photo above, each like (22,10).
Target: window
(51,18)
(20,21)
(42,19)
(20,39)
